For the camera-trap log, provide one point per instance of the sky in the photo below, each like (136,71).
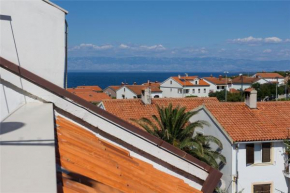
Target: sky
(258,30)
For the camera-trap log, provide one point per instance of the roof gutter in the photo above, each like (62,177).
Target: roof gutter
(65,65)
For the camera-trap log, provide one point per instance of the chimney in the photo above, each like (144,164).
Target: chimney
(251,98)
(122,83)
(186,74)
(211,75)
(146,96)
(178,76)
(134,83)
(220,77)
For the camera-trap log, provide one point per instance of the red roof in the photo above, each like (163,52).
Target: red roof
(93,88)
(245,80)
(218,81)
(270,121)
(137,89)
(269,75)
(135,108)
(92,96)
(90,164)
(185,81)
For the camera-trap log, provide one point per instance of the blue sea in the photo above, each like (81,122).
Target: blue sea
(105,79)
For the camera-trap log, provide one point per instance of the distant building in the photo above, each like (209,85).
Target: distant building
(184,86)
(90,88)
(111,91)
(244,82)
(217,84)
(270,77)
(135,91)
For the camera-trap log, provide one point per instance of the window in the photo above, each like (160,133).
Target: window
(124,89)
(156,96)
(199,90)
(218,87)
(195,82)
(262,188)
(258,153)
(134,97)
(223,87)
(171,90)
(179,91)
(193,90)
(204,90)
(170,81)
(186,91)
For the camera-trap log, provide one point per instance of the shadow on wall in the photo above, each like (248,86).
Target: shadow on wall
(6,127)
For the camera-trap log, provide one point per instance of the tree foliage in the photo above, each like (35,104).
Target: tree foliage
(231,97)
(172,125)
(268,89)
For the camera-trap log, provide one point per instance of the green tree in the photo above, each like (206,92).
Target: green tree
(172,125)
(231,97)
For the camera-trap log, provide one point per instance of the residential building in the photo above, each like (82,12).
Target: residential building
(135,91)
(184,86)
(252,135)
(270,77)
(89,88)
(217,84)
(54,141)
(91,96)
(111,91)
(244,82)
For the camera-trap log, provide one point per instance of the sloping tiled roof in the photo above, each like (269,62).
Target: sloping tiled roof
(135,109)
(269,75)
(232,90)
(156,84)
(269,121)
(114,87)
(93,88)
(137,89)
(185,81)
(218,81)
(245,80)
(92,96)
(91,164)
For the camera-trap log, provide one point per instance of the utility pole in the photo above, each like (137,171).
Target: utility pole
(226,94)
(277,89)
(242,90)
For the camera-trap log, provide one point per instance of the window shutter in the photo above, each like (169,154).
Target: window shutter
(258,188)
(266,152)
(263,188)
(250,153)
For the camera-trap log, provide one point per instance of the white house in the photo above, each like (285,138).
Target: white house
(111,91)
(135,91)
(183,86)
(252,135)
(270,77)
(244,82)
(54,141)
(217,84)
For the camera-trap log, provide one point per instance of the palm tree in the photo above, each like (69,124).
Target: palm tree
(172,125)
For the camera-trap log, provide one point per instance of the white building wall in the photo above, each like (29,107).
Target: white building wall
(34,38)
(239,86)
(262,173)
(204,91)
(128,94)
(109,91)
(213,87)
(214,130)
(170,89)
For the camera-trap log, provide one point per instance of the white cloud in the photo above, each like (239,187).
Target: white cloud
(124,46)
(267,51)
(249,39)
(252,41)
(273,40)
(154,47)
(91,46)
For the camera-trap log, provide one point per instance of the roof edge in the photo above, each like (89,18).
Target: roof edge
(56,6)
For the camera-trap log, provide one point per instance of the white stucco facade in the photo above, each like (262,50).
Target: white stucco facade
(214,88)
(126,93)
(33,37)
(172,89)
(236,167)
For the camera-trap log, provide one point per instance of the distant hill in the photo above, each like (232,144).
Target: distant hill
(210,64)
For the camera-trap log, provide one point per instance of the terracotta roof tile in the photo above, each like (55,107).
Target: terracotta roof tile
(137,89)
(246,80)
(93,88)
(185,81)
(269,121)
(95,165)
(128,109)
(92,96)
(269,75)
(218,81)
